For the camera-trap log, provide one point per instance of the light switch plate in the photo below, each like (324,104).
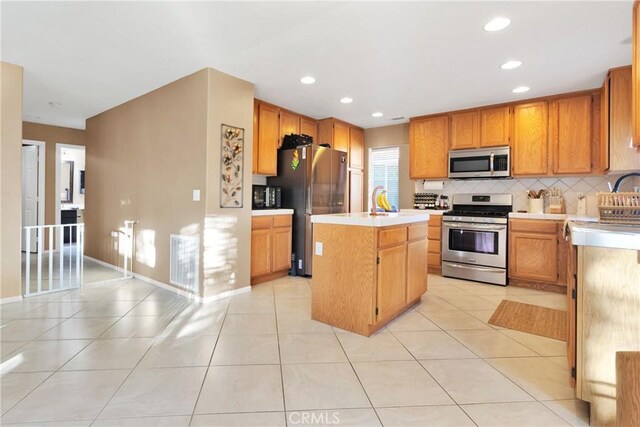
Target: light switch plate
(319,248)
(196,195)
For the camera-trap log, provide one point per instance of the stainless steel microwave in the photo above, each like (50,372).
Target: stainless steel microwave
(480,163)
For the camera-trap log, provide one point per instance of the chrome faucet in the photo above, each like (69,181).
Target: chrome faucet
(616,186)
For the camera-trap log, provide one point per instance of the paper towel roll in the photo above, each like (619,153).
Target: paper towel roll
(434,185)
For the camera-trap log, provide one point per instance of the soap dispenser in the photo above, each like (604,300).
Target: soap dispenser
(582,205)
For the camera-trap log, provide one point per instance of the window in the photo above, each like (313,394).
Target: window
(383,170)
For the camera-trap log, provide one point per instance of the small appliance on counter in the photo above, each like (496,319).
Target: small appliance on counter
(425,201)
(293,141)
(266,197)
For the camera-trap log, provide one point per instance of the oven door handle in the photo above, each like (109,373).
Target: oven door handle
(476,268)
(471,226)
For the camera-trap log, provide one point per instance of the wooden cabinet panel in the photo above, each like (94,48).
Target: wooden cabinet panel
(530,139)
(465,130)
(282,220)
(356,148)
(533,226)
(340,136)
(495,127)
(416,269)
(635,66)
(392,236)
(434,260)
(417,231)
(254,167)
(289,123)
(435,246)
(572,271)
(356,191)
(435,221)
(309,127)
(261,256)
(428,147)
(571,135)
(533,256)
(268,139)
(622,155)
(281,248)
(435,233)
(391,279)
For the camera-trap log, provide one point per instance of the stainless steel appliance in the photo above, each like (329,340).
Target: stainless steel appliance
(474,237)
(480,163)
(266,197)
(314,182)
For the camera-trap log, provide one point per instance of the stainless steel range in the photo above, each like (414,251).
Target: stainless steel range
(474,237)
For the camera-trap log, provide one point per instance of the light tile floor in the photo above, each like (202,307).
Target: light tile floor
(130,354)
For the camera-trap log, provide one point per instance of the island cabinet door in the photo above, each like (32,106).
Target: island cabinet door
(391,280)
(261,247)
(416,269)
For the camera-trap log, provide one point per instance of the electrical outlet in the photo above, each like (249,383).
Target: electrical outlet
(196,195)
(319,248)
(299,264)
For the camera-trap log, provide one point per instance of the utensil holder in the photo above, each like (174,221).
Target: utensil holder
(536,206)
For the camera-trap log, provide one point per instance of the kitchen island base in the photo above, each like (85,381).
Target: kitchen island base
(364,277)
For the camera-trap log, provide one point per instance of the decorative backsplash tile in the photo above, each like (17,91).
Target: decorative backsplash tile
(569,186)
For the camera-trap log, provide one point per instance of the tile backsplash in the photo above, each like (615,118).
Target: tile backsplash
(569,186)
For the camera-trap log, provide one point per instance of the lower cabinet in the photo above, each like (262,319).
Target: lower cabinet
(270,247)
(537,252)
(434,254)
(392,276)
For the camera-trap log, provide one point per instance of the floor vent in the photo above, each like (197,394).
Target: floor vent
(184,261)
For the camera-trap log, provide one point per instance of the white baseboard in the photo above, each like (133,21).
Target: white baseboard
(8,300)
(162,285)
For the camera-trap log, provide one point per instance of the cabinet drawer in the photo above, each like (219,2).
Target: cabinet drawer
(433,260)
(435,221)
(435,233)
(392,236)
(282,220)
(533,226)
(261,222)
(435,246)
(417,231)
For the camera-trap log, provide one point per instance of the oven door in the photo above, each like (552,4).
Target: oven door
(476,244)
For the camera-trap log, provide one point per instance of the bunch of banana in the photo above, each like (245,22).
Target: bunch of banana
(383,202)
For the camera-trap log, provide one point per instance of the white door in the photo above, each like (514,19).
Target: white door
(29,194)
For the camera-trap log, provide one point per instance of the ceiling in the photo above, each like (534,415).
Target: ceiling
(400,58)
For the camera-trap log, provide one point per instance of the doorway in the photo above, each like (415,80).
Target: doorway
(70,190)
(33,190)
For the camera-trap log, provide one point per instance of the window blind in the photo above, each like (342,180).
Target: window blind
(383,170)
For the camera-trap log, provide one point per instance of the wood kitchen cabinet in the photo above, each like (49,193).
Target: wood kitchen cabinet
(356,190)
(495,127)
(309,127)
(428,147)
(617,123)
(434,253)
(570,134)
(465,130)
(265,149)
(635,70)
(289,124)
(356,148)
(530,139)
(271,239)
(537,254)
(367,275)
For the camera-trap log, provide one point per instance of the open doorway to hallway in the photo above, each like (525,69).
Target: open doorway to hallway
(33,190)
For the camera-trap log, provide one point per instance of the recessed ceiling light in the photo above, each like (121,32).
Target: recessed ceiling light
(308,80)
(510,65)
(497,24)
(377,114)
(520,89)
(55,104)
(346,100)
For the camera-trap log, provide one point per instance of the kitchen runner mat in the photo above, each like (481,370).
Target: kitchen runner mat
(547,322)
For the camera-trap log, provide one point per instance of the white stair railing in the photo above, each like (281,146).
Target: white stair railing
(68,267)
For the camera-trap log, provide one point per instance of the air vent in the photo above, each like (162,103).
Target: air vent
(398,118)
(184,260)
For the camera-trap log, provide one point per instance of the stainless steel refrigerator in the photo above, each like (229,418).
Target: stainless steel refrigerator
(314,182)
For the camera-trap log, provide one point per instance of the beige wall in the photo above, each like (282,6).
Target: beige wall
(391,136)
(143,159)
(51,135)
(10,179)
(227,236)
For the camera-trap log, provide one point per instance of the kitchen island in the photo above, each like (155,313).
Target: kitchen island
(367,269)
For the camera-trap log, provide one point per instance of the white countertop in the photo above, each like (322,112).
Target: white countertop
(605,235)
(555,217)
(365,219)
(269,212)
(437,212)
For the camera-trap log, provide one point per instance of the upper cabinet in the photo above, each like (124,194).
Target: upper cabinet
(465,130)
(265,151)
(617,126)
(289,124)
(636,74)
(570,134)
(530,139)
(495,127)
(356,148)
(309,127)
(428,147)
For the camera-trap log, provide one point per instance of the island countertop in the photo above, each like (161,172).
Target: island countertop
(365,219)
(605,235)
